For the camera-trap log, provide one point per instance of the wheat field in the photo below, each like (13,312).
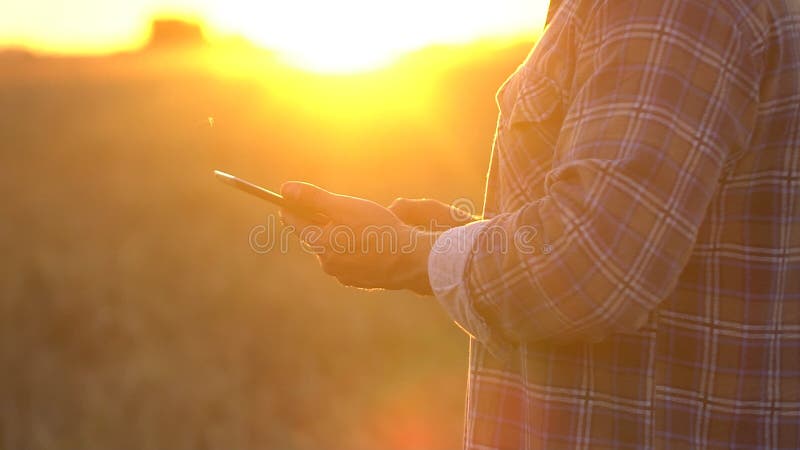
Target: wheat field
(134,313)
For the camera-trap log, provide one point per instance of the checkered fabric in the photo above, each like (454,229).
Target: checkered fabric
(650,149)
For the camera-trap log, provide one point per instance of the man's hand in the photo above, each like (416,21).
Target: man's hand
(364,244)
(430,214)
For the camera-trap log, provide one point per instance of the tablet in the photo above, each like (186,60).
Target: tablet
(270,196)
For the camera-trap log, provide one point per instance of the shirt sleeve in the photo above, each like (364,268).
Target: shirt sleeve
(447,266)
(664,98)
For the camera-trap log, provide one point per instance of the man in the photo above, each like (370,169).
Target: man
(646,173)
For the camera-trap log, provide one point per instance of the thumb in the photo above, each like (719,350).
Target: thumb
(310,196)
(410,211)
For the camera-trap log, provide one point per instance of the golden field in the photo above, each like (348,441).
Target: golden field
(134,313)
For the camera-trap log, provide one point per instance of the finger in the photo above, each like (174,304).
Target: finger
(356,283)
(297,223)
(329,265)
(310,234)
(401,207)
(315,241)
(461,216)
(312,197)
(337,265)
(413,211)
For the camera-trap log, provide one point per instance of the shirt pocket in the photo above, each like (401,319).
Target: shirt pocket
(538,100)
(526,139)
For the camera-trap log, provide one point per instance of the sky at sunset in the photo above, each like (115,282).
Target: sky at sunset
(309,31)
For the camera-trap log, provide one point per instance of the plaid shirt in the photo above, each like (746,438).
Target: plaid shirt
(636,280)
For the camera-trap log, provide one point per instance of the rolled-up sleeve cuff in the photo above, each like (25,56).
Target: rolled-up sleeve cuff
(447,269)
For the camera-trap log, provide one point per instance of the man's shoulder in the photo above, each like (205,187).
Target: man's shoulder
(756,15)
(748,17)
(734,9)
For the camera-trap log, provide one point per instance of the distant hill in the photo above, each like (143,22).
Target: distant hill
(15,55)
(175,34)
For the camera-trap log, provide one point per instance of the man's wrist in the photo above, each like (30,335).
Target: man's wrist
(413,261)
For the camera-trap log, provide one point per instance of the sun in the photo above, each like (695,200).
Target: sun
(346,36)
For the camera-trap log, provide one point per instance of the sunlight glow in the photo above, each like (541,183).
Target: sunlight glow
(353,35)
(321,35)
